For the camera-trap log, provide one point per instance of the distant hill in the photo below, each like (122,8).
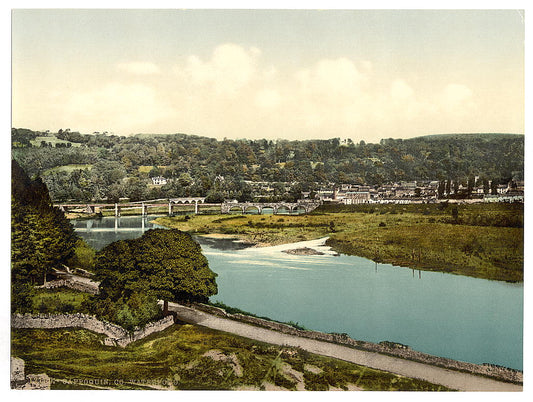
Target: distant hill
(467,136)
(206,165)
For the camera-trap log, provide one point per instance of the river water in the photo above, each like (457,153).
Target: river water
(458,317)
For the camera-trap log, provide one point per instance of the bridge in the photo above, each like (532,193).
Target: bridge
(225,208)
(244,207)
(186,200)
(91,208)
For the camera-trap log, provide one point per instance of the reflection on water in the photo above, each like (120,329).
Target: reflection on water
(100,232)
(453,316)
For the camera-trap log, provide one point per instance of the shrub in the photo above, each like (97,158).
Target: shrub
(66,308)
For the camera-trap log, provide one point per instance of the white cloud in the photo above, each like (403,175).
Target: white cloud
(123,108)
(268,98)
(400,90)
(457,99)
(230,68)
(234,93)
(139,68)
(331,77)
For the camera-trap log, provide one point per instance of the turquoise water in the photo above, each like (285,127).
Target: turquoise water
(452,316)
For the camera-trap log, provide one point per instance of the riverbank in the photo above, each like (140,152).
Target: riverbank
(396,359)
(482,241)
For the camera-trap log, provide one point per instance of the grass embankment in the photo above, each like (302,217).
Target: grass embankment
(264,230)
(479,240)
(57,301)
(191,357)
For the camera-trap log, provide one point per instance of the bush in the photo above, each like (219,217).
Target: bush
(66,308)
(43,308)
(83,257)
(22,297)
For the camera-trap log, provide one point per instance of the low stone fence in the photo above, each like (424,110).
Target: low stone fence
(151,328)
(87,287)
(388,348)
(116,335)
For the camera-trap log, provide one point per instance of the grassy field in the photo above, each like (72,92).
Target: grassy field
(51,139)
(479,240)
(57,300)
(191,357)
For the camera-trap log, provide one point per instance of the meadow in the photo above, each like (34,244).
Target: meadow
(478,240)
(190,357)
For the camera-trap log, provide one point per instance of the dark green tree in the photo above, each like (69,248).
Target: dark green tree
(441,188)
(470,185)
(41,237)
(494,187)
(167,264)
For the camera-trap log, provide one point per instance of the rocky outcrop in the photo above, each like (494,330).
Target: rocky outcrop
(303,251)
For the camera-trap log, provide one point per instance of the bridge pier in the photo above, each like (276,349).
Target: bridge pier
(144,211)
(117,210)
(169,208)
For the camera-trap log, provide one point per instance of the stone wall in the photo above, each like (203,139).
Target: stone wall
(87,287)
(388,348)
(116,335)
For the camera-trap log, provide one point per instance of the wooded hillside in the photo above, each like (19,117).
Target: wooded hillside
(100,166)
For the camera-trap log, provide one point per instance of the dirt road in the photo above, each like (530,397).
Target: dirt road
(449,378)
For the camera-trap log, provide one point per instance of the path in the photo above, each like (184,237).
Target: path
(449,378)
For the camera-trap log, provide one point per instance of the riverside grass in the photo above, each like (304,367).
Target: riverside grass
(179,358)
(479,240)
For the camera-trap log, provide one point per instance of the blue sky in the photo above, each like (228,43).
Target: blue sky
(295,74)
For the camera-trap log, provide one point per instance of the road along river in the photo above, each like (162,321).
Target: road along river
(449,378)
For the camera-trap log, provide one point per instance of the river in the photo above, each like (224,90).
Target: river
(458,317)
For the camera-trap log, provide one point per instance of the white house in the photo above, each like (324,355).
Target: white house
(159,181)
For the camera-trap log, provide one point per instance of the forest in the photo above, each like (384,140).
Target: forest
(101,166)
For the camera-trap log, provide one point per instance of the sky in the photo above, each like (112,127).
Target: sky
(292,74)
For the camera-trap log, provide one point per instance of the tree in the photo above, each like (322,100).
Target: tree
(470,185)
(185,179)
(155,172)
(494,187)
(135,189)
(486,187)
(441,189)
(167,264)
(41,237)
